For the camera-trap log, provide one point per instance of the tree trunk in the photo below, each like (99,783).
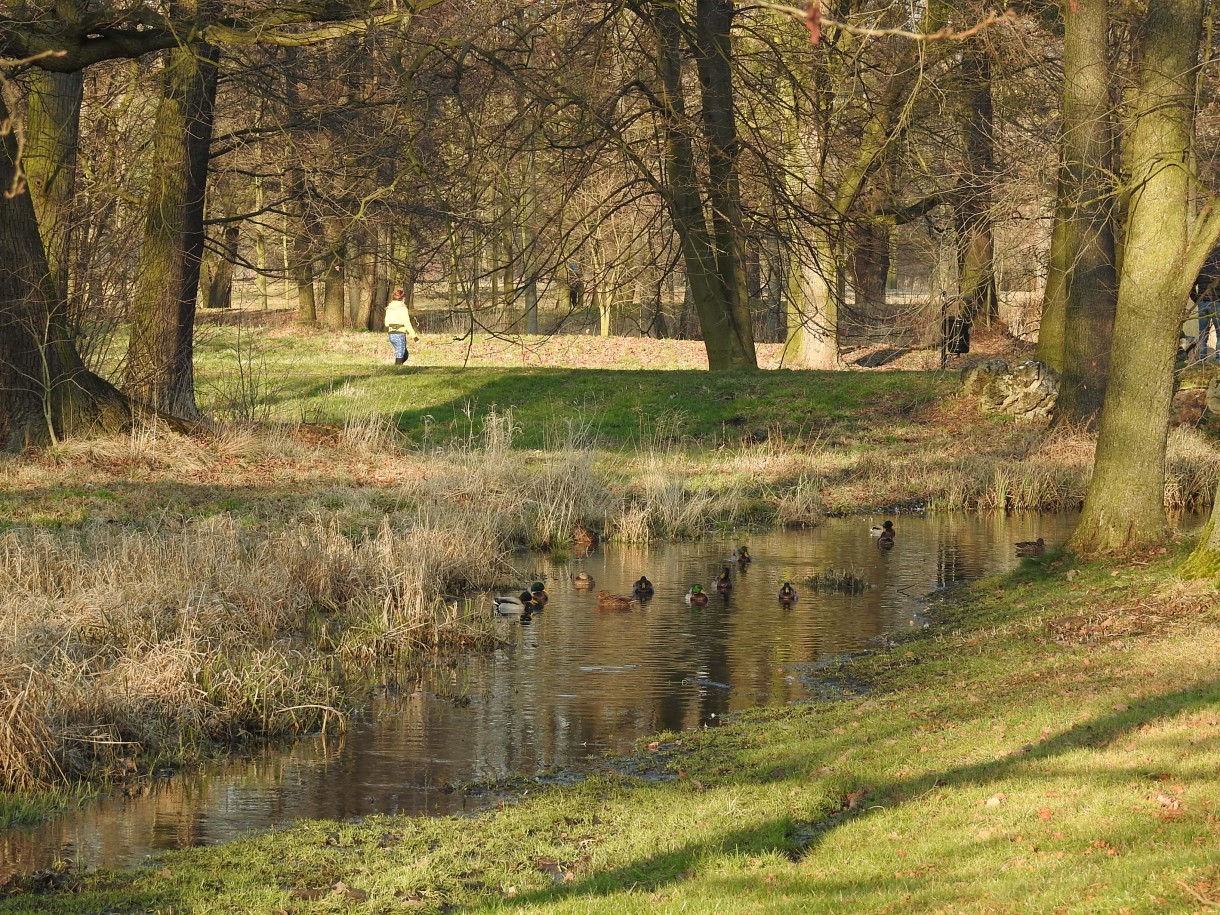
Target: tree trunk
(722,338)
(220,290)
(52,137)
(714,62)
(332,273)
(813,307)
(1088,234)
(1124,508)
(303,246)
(1052,327)
(45,391)
(160,353)
(976,249)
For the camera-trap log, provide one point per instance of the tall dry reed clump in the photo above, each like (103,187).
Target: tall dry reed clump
(120,643)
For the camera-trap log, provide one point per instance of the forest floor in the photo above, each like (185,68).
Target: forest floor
(1050,743)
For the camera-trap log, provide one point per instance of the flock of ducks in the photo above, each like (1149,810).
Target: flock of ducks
(532,600)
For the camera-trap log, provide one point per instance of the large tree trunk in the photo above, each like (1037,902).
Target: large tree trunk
(45,391)
(725,344)
(160,354)
(714,62)
(1124,508)
(813,306)
(1088,235)
(52,137)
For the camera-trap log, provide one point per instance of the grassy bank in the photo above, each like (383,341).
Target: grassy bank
(166,593)
(1051,744)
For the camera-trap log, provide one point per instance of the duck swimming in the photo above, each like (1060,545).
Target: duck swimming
(882,530)
(724,582)
(1031,547)
(787,594)
(643,589)
(885,541)
(539,594)
(582,581)
(696,596)
(523,605)
(743,555)
(608,601)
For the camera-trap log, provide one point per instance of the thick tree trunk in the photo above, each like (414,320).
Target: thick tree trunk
(722,337)
(160,354)
(714,62)
(45,391)
(1124,508)
(1088,235)
(813,307)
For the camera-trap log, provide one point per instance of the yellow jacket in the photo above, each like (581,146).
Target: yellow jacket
(398,319)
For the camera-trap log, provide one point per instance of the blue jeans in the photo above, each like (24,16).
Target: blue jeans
(399,342)
(1209,317)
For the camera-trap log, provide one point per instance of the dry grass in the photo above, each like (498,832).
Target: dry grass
(161,589)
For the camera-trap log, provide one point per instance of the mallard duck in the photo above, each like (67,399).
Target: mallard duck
(522,605)
(787,594)
(743,555)
(1031,547)
(885,541)
(608,601)
(724,582)
(696,596)
(539,594)
(582,581)
(880,530)
(643,589)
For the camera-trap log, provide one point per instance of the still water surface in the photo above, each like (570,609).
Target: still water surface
(570,688)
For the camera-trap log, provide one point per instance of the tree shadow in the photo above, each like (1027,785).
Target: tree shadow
(797,840)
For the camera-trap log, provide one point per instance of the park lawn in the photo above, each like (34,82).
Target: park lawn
(618,391)
(1050,743)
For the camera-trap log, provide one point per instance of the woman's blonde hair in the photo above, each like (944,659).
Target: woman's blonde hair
(398,292)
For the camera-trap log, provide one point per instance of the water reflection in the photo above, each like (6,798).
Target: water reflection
(572,686)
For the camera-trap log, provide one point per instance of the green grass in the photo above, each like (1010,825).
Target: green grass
(331,377)
(1050,745)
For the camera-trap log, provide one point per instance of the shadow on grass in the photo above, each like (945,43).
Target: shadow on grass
(796,840)
(622,405)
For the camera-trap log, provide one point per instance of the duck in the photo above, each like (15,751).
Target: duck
(696,596)
(643,589)
(583,581)
(539,594)
(724,582)
(608,601)
(881,530)
(1031,547)
(523,605)
(740,555)
(787,594)
(885,541)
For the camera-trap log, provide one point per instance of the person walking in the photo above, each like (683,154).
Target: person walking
(398,323)
(1206,295)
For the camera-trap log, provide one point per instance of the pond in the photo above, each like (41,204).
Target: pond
(566,690)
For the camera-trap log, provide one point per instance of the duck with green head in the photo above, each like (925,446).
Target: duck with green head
(696,596)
